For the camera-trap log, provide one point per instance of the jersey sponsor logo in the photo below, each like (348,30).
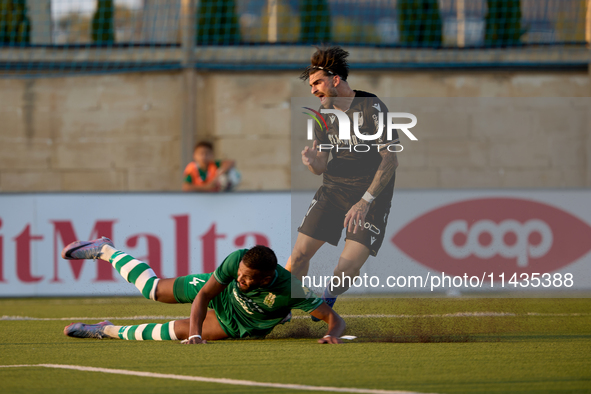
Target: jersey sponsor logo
(246,303)
(270,300)
(501,234)
(376,121)
(377,106)
(336,141)
(332,118)
(373,239)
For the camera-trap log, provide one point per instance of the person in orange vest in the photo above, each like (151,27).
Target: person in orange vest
(205,174)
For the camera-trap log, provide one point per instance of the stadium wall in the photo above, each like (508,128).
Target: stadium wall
(122,132)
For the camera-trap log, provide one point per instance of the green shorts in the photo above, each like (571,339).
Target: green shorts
(186,289)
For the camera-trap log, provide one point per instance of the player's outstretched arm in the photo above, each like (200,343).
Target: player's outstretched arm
(199,309)
(336,324)
(315,159)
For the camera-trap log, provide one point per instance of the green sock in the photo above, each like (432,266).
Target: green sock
(136,272)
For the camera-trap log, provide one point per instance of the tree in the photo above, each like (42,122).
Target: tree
(217,23)
(103,27)
(15,26)
(503,22)
(419,22)
(315,21)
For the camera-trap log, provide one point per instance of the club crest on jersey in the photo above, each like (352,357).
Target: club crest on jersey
(270,300)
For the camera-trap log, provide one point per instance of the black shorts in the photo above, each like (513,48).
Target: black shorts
(326,215)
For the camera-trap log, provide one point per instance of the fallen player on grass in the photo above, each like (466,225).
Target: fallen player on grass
(249,294)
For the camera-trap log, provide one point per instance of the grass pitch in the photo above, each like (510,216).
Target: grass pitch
(455,345)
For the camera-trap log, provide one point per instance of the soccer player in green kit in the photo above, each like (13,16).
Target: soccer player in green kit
(249,294)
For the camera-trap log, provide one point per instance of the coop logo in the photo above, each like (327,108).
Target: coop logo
(344,137)
(519,247)
(495,234)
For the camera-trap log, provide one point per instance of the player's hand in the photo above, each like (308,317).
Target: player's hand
(309,154)
(355,218)
(330,339)
(194,341)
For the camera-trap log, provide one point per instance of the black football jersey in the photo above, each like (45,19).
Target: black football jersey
(353,167)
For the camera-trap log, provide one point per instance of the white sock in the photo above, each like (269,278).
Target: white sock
(107,252)
(112,331)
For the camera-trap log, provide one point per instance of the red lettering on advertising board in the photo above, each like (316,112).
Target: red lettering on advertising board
(259,239)
(65,231)
(154,256)
(23,255)
(209,248)
(181,227)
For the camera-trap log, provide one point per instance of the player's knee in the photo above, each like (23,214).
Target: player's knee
(299,258)
(164,291)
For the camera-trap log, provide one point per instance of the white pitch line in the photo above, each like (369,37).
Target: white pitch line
(464,314)
(6,317)
(235,382)
(457,314)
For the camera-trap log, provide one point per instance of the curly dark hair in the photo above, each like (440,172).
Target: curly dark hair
(330,60)
(260,258)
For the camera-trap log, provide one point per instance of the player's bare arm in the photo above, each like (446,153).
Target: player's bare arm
(336,324)
(384,173)
(355,218)
(199,310)
(315,160)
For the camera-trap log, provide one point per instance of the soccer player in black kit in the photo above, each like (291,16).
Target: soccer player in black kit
(357,187)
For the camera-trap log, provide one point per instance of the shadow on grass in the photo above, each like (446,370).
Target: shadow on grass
(433,330)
